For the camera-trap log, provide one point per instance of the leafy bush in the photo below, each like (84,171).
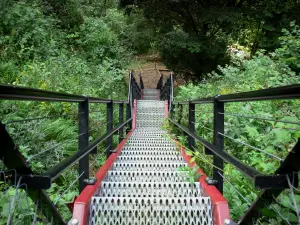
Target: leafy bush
(48,45)
(273,137)
(190,54)
(289,52)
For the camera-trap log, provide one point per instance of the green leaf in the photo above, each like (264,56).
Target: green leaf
(281,136)
(252,131)
(192,160)
(269,213)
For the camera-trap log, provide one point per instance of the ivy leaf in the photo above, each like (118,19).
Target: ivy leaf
(281,136)
(269,213)
(252,131)
(192,160)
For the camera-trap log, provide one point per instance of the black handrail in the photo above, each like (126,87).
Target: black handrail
(272,185)
(36,184)
(10,92)
(286,92)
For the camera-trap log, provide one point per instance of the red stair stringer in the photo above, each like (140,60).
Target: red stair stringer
(82,203)
(219,204)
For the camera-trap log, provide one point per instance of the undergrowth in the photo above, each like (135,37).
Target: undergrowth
(275,138)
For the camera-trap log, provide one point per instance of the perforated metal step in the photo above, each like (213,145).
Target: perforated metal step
(150,159)
(150,153)
(150,140)
(150,211)
(144,185)
(147,166)
(161,145)
(149,189)
(146,176)
(147,148)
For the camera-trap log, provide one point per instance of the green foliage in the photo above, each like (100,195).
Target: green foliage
(274,137)
(193,36)
(191,174)
(72,46)
(67,11)
(289,52)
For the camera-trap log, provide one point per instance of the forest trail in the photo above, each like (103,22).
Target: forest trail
(151,68)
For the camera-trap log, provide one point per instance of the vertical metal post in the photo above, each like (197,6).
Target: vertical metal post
(172,111)
(109,127)
(128,114)
(219,142)
(191,125)
(141,81)
(121,120)
(179,113)
(83,141)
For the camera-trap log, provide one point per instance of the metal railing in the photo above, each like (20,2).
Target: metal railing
(166,90)
(37,183)
(272,185)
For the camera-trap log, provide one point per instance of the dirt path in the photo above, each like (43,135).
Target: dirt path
(151,70)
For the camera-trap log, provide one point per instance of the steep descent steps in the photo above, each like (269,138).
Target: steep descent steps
(143,186)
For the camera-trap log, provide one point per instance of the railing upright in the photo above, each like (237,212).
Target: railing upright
(160,83)
(141,81)
(218,142)
(121,120)
(109,127)
(83,141)
(191,140)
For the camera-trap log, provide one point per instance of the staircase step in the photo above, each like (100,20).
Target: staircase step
(150,159)
(150,153)
(145,139)
(150,144)
(154,140)
(147,166)
(146,176)
(150,211)
(147,148)
(149,189)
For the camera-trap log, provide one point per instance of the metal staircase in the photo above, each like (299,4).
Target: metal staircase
(139,182)
(143,186)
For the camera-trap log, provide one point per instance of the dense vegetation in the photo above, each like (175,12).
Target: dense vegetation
(275,138)
(81,47)
(85,47)
(194,35)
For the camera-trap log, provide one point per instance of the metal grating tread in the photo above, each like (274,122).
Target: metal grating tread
(154,140)
(150,211)
(160,145)
(149,189)
(148,148)
(145,176)
(144,186)
(150,159)
(150,153)
(147,166)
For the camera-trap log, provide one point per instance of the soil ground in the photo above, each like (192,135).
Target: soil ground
(151,68)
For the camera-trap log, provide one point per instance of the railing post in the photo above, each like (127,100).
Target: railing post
(141,81)
(109,127)
(128,113)
(121,120)
(83,141)
(179,113)
(218,142)
(191,125)
(172,111)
